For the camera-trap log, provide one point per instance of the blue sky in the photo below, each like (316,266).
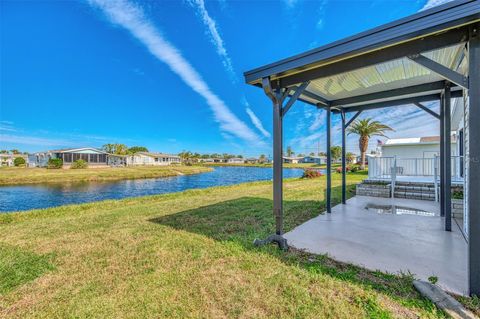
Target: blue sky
(168,74)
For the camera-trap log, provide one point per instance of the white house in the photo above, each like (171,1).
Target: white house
(148,158)
(292,159)
(415,147)
(93,156)
(314,159)
(6,159)
(235,160)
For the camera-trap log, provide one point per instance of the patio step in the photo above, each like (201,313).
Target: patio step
(409,190)
(375,190)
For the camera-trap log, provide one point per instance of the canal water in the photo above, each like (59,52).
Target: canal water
(25,197)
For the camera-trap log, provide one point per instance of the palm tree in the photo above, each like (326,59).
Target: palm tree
(365,129)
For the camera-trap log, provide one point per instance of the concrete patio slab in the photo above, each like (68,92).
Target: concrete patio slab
(388,242)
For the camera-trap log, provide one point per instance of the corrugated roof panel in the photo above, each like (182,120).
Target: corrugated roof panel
(386,76)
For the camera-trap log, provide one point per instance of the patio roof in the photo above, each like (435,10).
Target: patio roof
(384,64)
(433,55)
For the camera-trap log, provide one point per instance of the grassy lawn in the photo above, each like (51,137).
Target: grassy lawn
(16,175)
(187,255)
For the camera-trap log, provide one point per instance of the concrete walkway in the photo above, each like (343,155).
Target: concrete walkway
(388,242)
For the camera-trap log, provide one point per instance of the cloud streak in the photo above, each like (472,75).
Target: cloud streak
(256,121)
(214,35)
(132,18)
(433,3)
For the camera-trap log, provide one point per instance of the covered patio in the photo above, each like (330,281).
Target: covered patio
(430,56)
(404,240)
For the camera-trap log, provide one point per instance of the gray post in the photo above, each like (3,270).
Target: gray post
(329,163)
(442,155)
(448,160)
(344,160)
(474,163)
(277,167)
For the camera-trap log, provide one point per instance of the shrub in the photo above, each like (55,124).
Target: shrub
(311,173)
(348,169)
(79,164)
(55,163)
(457,193)
(19,161)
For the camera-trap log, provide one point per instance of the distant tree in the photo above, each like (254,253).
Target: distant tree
(19,161)
(262,158)
(300,155)
(322,154)
(15,151)
(312,154)
(3,152)
(336,152)
(290,152)
(240,156)
(120,149)
(185,157)
(350,157)
(109,148)
(365,129)
(136,149)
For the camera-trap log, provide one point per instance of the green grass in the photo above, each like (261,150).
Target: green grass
(18,175)
(190,255)
(19,266)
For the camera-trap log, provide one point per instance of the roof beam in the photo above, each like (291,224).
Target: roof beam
(443,71)
(403,101)
(426,109)
(433,42)
(294,97)
(352,119)
(427,87)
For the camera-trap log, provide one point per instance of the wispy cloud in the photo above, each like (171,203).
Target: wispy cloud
(433,3)
(7,126)
(132,18)
(29,140)
(214,35)
(256,121)
(290,3)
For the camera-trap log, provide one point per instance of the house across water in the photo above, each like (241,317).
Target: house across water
(98,158)
(93,156)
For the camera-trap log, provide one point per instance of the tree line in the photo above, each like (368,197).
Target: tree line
(335,152)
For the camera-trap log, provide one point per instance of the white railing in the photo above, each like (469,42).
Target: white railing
(385,168)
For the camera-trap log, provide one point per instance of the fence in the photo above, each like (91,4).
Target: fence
(386,168)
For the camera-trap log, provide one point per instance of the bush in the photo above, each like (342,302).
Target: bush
(19,161)
(55,163)
(79,164)
(457,193)
(348,169)
(311,173)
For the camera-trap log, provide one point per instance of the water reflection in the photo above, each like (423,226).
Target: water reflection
(398,210)
(26,197)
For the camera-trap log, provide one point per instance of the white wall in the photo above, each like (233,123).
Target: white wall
(413,151)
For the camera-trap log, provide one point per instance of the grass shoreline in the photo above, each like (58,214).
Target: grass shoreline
(26,176)
(188,254)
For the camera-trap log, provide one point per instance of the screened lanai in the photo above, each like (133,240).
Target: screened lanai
(430,56)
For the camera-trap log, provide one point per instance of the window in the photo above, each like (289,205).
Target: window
(102,158)
(76,156)
(67,157)
(94,158)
